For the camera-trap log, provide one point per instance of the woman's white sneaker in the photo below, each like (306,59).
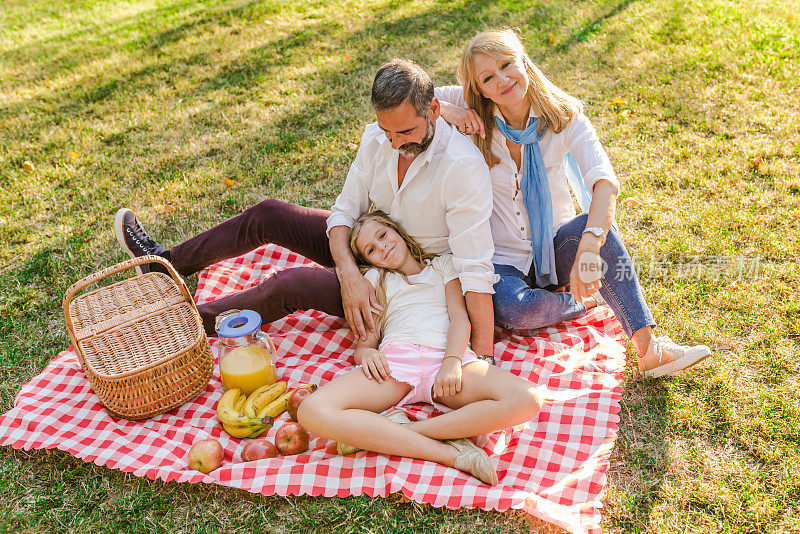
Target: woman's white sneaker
(680,357)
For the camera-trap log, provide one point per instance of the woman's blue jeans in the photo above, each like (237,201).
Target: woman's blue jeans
(520,306)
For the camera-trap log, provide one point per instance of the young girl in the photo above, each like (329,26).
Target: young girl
(422,357)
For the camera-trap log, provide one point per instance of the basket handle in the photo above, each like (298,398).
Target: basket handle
(108,271)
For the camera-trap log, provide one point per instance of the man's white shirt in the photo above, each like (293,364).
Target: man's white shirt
(445,201)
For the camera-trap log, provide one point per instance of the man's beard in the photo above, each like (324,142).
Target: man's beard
(410,150)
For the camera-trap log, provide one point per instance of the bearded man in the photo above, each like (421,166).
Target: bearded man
(410,164)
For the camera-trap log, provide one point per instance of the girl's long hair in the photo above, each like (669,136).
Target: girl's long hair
(364,265)
(554,106)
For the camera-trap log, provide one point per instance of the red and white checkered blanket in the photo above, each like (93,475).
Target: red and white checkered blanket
(553,467)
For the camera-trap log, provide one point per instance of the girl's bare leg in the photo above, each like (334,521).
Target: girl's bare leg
(346,410)
(490,399)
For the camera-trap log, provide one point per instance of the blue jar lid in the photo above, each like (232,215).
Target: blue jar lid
(239,324)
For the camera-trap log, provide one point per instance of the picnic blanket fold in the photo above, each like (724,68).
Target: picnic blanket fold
(553,467)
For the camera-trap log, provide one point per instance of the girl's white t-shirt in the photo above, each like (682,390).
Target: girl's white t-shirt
(416,311)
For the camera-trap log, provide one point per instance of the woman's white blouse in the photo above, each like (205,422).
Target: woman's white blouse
(509,222)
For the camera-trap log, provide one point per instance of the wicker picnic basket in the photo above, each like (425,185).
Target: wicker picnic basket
(140,341)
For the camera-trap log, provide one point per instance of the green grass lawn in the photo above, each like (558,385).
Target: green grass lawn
(190,111)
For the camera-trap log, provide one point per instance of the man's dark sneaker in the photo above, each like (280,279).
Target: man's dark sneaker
(135,241)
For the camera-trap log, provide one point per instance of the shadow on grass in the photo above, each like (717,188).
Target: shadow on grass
(164,25)
(590,27)
(641,451)
(419,35)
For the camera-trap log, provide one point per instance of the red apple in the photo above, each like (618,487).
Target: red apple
(291,438)
(294,402)
(259,449)
(205,455)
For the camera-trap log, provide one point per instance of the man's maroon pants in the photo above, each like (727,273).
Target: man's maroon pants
(299,229)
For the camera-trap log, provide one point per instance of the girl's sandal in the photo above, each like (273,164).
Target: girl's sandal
(344,449)
(473,460)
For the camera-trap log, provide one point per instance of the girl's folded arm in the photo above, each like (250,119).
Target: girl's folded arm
(448,378)
(459,331)
(370,343)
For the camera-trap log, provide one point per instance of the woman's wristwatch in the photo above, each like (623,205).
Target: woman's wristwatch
(597,232)
(488,358)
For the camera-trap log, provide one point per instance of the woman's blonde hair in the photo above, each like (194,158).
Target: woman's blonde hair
(555,107)
(364,265)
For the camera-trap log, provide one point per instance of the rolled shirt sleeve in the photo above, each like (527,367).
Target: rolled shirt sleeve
(452,94)
(582,142)
(469,193)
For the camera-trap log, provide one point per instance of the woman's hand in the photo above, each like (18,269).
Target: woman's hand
(448,379)
(374,364)
(587,270)
(465,120)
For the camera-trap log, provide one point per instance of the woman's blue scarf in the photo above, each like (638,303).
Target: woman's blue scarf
(536,197)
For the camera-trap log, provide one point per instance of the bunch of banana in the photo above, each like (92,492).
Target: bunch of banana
(279,404)
(263,396)
(235,422)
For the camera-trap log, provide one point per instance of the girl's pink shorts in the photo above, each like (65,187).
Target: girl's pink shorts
(417,366)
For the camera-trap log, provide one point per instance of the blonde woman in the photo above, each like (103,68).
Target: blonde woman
(540,147)
(419,354)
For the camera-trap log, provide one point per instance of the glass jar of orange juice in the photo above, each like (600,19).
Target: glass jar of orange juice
(246,354)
